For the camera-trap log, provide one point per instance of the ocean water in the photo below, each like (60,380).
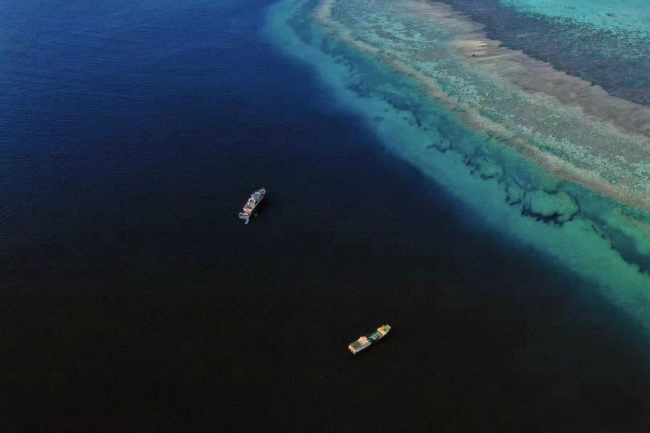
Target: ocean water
(579,38)
(622,16)
(133,299)
(556,218)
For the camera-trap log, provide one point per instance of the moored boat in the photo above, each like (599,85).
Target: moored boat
(251,204)
(365,341)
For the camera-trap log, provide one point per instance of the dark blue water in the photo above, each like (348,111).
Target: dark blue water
(133,299)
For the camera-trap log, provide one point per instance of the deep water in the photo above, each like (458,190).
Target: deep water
(133,299)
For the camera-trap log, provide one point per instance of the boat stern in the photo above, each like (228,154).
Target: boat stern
(359,345)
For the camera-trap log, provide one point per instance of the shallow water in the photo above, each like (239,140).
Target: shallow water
(575,228)
(620,16)
(611,52)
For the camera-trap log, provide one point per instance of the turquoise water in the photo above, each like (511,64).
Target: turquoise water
(617,16)
(604,43)
(561,221)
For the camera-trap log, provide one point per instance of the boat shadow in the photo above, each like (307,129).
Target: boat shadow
(260,208)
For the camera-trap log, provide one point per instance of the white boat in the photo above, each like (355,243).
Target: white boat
(251,204)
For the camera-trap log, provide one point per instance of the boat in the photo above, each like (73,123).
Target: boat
(251,204)
(365,341)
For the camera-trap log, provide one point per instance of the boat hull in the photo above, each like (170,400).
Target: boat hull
(248,211)
(365,342)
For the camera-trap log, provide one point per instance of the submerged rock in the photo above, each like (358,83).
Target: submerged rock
(554,207)
(486,168)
